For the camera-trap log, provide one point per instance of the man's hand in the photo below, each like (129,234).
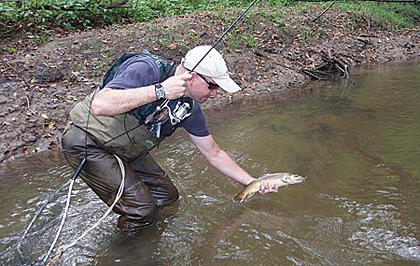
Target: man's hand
(266,187)
(175,86)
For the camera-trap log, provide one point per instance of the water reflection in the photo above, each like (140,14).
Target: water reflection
(357,145)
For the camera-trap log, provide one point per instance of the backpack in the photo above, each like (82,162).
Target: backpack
(163,64)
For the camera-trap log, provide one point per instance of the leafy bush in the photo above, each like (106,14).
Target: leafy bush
(38,17)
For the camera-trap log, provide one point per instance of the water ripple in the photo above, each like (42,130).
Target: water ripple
(381,229)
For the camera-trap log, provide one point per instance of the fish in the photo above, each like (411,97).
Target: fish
(279,179)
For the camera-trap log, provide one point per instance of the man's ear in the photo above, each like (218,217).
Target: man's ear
(194,76)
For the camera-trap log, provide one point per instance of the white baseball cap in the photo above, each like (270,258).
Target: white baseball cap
(213,65)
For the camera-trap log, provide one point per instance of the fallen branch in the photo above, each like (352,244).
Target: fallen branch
(322,73)
(363,40)
(316,74)
(309,73)
(339,64)
(29,107)
(323,12)
(5,25)
(335,63)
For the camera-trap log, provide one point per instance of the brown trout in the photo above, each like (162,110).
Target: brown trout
(275,179)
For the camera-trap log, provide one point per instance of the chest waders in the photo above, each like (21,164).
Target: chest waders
(146,145)
(125,135)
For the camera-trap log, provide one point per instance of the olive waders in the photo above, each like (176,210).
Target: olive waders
(146,186)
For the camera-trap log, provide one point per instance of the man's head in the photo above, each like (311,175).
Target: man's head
(210,74)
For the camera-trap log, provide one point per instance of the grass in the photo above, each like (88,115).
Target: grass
(44,16)
(276,15)
(193,38)
(380,14)
(384,14)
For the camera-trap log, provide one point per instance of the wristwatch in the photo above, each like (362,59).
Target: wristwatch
(159,91)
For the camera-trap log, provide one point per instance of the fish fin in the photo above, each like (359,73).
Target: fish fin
(250,196)
(241,200)
(237,199)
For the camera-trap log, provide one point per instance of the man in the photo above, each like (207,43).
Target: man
(141,102)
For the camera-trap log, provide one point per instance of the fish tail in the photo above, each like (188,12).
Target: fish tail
(243,198)
(238,198)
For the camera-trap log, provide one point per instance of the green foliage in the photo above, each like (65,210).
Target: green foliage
(38,17)
(401,15)
(249,41)
(276,15)
(164,39)
(282,2)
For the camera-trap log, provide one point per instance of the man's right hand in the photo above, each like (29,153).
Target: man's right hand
(175,86)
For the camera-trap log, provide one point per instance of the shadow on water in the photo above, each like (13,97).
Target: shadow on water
(358,145)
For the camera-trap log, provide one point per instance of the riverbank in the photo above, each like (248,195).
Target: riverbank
(273,52)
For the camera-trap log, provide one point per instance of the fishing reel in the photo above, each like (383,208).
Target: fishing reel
(180,112)
(163,112)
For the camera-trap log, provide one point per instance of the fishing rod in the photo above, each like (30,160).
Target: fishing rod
(37,214)
(226,32)
(164,103)
(69,183)
(82,162)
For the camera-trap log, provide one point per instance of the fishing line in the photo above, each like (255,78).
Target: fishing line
(84,159)
(64,217)
(37,214)
(71,182)
(63,248)
(212,47)
(226,32)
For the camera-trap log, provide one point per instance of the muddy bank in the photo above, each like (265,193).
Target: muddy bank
(273,53)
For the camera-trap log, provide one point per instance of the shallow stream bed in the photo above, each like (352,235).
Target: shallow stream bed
(357,142)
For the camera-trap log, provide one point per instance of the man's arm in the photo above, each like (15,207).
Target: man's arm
(110,101)
(220,160)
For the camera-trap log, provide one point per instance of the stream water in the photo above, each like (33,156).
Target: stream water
(358,144)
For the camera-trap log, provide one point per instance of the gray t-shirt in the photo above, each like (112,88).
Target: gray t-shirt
(140,71)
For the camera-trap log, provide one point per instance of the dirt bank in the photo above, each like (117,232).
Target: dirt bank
(271,53)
